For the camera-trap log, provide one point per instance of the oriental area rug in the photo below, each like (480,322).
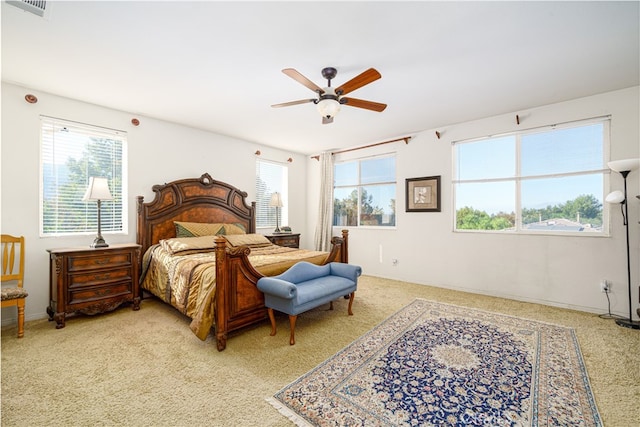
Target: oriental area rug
(435,364)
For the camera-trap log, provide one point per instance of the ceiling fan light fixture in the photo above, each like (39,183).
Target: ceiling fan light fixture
(328,107)
(329,100)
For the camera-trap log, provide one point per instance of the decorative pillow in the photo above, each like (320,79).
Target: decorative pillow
(196,229)
(183,244)
(252,240)
(234,229)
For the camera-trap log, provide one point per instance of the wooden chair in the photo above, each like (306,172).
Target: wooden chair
(13,271)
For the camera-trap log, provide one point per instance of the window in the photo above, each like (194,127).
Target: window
(543,180)
(70,154)
(364,192)
(271,177)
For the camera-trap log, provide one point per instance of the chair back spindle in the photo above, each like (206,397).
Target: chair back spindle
(13,271)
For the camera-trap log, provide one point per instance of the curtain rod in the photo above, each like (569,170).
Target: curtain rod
(404,138)
(519,119)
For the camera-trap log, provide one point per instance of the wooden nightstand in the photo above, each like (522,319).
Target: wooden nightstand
(92,281)
(290,240)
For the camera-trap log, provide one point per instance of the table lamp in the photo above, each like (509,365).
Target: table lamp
(98,190)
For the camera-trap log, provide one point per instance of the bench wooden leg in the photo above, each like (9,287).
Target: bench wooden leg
(353,294)
(292,325)
(273,321)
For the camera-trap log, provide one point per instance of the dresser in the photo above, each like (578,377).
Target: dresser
(290,240)
(92,280)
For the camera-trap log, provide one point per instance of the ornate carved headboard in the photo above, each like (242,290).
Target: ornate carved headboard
(191,200)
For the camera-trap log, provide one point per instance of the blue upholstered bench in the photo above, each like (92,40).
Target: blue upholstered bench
(305,286)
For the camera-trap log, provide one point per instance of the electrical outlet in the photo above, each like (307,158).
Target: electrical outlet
(605,286)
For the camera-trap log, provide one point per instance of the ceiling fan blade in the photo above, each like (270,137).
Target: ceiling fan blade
(327,120)
(361,103)
(358,81)
(286,104)
(295,75)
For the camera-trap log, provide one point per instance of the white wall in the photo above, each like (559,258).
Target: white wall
(561,271)
(159,152)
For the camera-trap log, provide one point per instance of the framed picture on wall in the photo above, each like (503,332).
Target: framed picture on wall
(423,194)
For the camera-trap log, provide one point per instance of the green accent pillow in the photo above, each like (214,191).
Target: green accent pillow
(233,229)
(197,229)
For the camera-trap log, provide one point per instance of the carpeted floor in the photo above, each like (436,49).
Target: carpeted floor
(146,368)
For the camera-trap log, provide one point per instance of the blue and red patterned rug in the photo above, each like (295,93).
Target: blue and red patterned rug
(434,364)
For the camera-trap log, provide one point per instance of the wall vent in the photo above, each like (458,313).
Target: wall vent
(37,7)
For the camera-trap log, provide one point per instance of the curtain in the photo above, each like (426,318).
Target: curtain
(324,227)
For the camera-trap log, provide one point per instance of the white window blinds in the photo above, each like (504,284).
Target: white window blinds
(271,177)
(71,153)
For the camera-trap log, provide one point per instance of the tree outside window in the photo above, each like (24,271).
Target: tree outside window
(71,153)
(365,193)
(542,180)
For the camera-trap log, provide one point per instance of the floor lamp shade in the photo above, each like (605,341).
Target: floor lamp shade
(276,202)
(97,191)
(624,167)
(615,197)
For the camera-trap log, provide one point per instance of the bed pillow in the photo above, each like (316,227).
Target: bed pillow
(251,240)
(197,229)
(236,228)
(185,244)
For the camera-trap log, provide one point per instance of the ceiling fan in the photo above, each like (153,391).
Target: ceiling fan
(329,99)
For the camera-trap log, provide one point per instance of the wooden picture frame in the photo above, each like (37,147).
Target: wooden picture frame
(423,194)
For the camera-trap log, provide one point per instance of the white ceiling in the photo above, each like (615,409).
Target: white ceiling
(217,65)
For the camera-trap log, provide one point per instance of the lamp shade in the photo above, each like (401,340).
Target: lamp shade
(98,189)
(624,165)
(276,200)
(615,197)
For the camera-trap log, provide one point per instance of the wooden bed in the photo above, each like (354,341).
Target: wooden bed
(238,302)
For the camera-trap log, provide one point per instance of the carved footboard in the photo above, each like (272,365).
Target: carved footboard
(238,302)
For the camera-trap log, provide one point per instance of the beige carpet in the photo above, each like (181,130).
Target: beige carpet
(146,368)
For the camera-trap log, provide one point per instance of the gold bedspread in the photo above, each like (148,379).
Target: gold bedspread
(187,281)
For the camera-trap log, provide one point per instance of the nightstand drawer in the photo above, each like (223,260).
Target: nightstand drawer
(82,295)
(99,277)
(288,240)
(81,263)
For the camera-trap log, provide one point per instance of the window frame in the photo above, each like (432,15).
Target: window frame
(283,214)
(359,187)
(114,213)
(518,178)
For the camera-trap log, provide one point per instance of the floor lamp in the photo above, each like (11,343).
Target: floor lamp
(624,167)
(98,190)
